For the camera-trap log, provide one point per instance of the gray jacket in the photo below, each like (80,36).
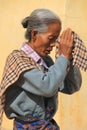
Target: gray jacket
(35,90)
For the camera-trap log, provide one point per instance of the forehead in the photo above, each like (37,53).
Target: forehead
(54,28)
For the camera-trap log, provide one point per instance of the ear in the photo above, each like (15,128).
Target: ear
(33,34)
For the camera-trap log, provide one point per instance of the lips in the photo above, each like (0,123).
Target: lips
(48,51)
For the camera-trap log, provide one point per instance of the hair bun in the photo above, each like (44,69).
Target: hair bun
(25,22)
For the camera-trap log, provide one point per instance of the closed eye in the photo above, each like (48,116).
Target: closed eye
(52,39)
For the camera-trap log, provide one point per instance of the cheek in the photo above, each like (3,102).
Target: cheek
(43,43)
(44,46)
(44,40)
(40,48)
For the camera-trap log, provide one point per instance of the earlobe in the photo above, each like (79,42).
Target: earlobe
(33,34)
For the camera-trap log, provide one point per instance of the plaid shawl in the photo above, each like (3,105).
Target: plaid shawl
(79,53)
(17,62)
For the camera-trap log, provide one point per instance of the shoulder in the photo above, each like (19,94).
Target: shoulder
(18,56)
(17,53)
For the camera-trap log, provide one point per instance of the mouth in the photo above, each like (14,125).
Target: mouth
(48,51)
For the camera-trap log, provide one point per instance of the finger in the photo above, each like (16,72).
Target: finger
(69,34)
(66,34)
(69,37)
(63,35)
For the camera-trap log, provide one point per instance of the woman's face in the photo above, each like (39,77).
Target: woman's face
(44,42)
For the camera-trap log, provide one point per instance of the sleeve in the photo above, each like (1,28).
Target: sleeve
(73,80)
(45,84)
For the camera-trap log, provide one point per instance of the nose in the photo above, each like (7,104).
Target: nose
(53,44)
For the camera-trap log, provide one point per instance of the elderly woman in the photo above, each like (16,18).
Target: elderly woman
(31,80)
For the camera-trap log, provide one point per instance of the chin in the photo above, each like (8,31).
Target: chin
(44,55)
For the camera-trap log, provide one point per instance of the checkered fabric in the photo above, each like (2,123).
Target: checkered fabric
(17,62)
(79,53)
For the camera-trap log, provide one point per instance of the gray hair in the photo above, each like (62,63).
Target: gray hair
(39,19)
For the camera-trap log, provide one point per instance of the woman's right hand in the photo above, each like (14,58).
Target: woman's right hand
(66,43)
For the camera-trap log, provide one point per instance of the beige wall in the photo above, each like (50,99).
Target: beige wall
(72,112)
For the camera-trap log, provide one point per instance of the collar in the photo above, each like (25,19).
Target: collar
(27,49)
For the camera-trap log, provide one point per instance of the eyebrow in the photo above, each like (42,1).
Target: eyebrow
(53,36)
